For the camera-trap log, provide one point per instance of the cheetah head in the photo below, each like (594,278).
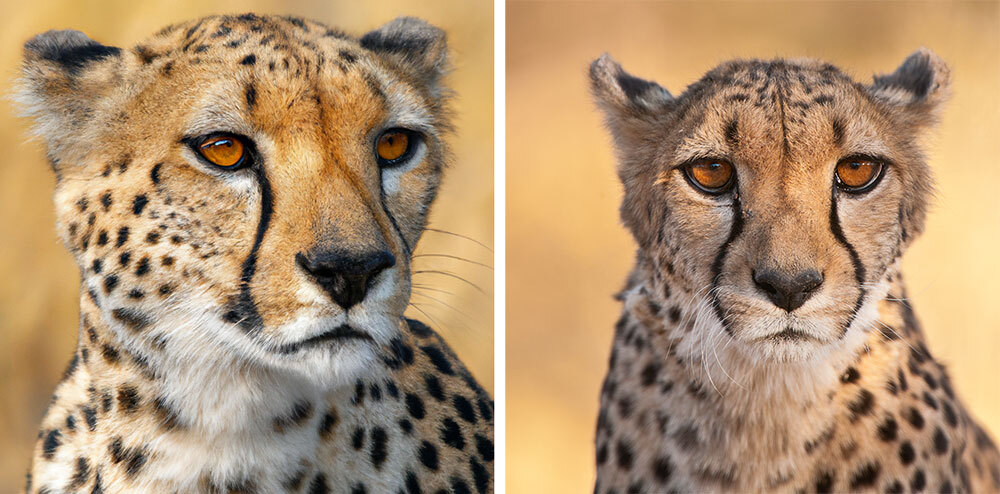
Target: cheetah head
(247,186)
(776,194)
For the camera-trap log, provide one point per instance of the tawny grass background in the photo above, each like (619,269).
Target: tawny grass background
(567,253)
(38,294)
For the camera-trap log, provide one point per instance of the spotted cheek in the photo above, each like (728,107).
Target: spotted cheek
(695,238)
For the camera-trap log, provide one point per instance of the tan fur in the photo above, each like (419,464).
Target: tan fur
(703,394)
(186,377)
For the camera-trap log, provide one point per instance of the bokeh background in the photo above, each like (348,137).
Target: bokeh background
(38,292)
(567,253)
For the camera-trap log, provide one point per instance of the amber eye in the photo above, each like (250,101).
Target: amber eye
(394,146)
(858,174)
(712,176)
(225,151)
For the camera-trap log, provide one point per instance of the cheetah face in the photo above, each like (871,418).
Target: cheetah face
(775,193)
(249,186)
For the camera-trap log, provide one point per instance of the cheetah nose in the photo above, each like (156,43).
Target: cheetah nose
(345,276)
(788,291)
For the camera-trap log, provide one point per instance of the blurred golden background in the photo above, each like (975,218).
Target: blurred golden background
(38,296)
(567,252)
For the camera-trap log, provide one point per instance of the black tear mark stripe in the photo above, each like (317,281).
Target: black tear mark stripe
(392,219)
(245,311)
(720,258)
(859,268)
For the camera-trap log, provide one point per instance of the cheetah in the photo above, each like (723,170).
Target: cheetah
(242,195)
(766,342)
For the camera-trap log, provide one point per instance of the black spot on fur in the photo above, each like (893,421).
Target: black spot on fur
(434,387)
(250,59)
(838,132)
(850,375)
(358,438)
(110,282)
(143,267)
(451,434)
(439,359)
(479,475)
(919,480)
(865,476)
(52,441)
(251,96)
(428,455)
(732,133)
(128,399)
(139,203)
(940,441)
(824,482)
(154,174)
(122,236)
(379,450)
(329,421)
(662,468)
(131,318)
(90,417)
(485,447)
(318,485)
(464,408)
(888,429)
(623,452)
(862,405)
(81,474)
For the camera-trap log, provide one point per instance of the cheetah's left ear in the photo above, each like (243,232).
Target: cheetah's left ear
(414,45)
(921,83)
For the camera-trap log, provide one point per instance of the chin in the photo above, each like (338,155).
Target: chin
(333,365)
(789,338)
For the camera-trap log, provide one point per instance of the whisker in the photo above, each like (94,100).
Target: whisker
(419,286)
(449,256)
(445,232)
(444,304)
(449,274)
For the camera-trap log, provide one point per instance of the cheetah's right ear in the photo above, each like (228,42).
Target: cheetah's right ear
(620,93)
(630,104)
(60,87)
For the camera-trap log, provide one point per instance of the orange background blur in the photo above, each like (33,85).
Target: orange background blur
(38,294)
(567,252)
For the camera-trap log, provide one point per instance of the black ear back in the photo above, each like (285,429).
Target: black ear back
(617,90)
(413,44)
(922,77)
(68,49)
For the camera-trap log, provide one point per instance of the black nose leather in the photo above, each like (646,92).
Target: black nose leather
(788,290)
(345,276)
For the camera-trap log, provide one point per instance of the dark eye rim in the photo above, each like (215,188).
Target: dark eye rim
(249,149)
(882,163)
(413,139)
(717,191)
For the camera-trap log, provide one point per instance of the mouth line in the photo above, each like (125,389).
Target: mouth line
(338,334)
(789,335)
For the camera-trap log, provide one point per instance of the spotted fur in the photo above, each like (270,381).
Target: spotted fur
(711,387)
(213,355)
